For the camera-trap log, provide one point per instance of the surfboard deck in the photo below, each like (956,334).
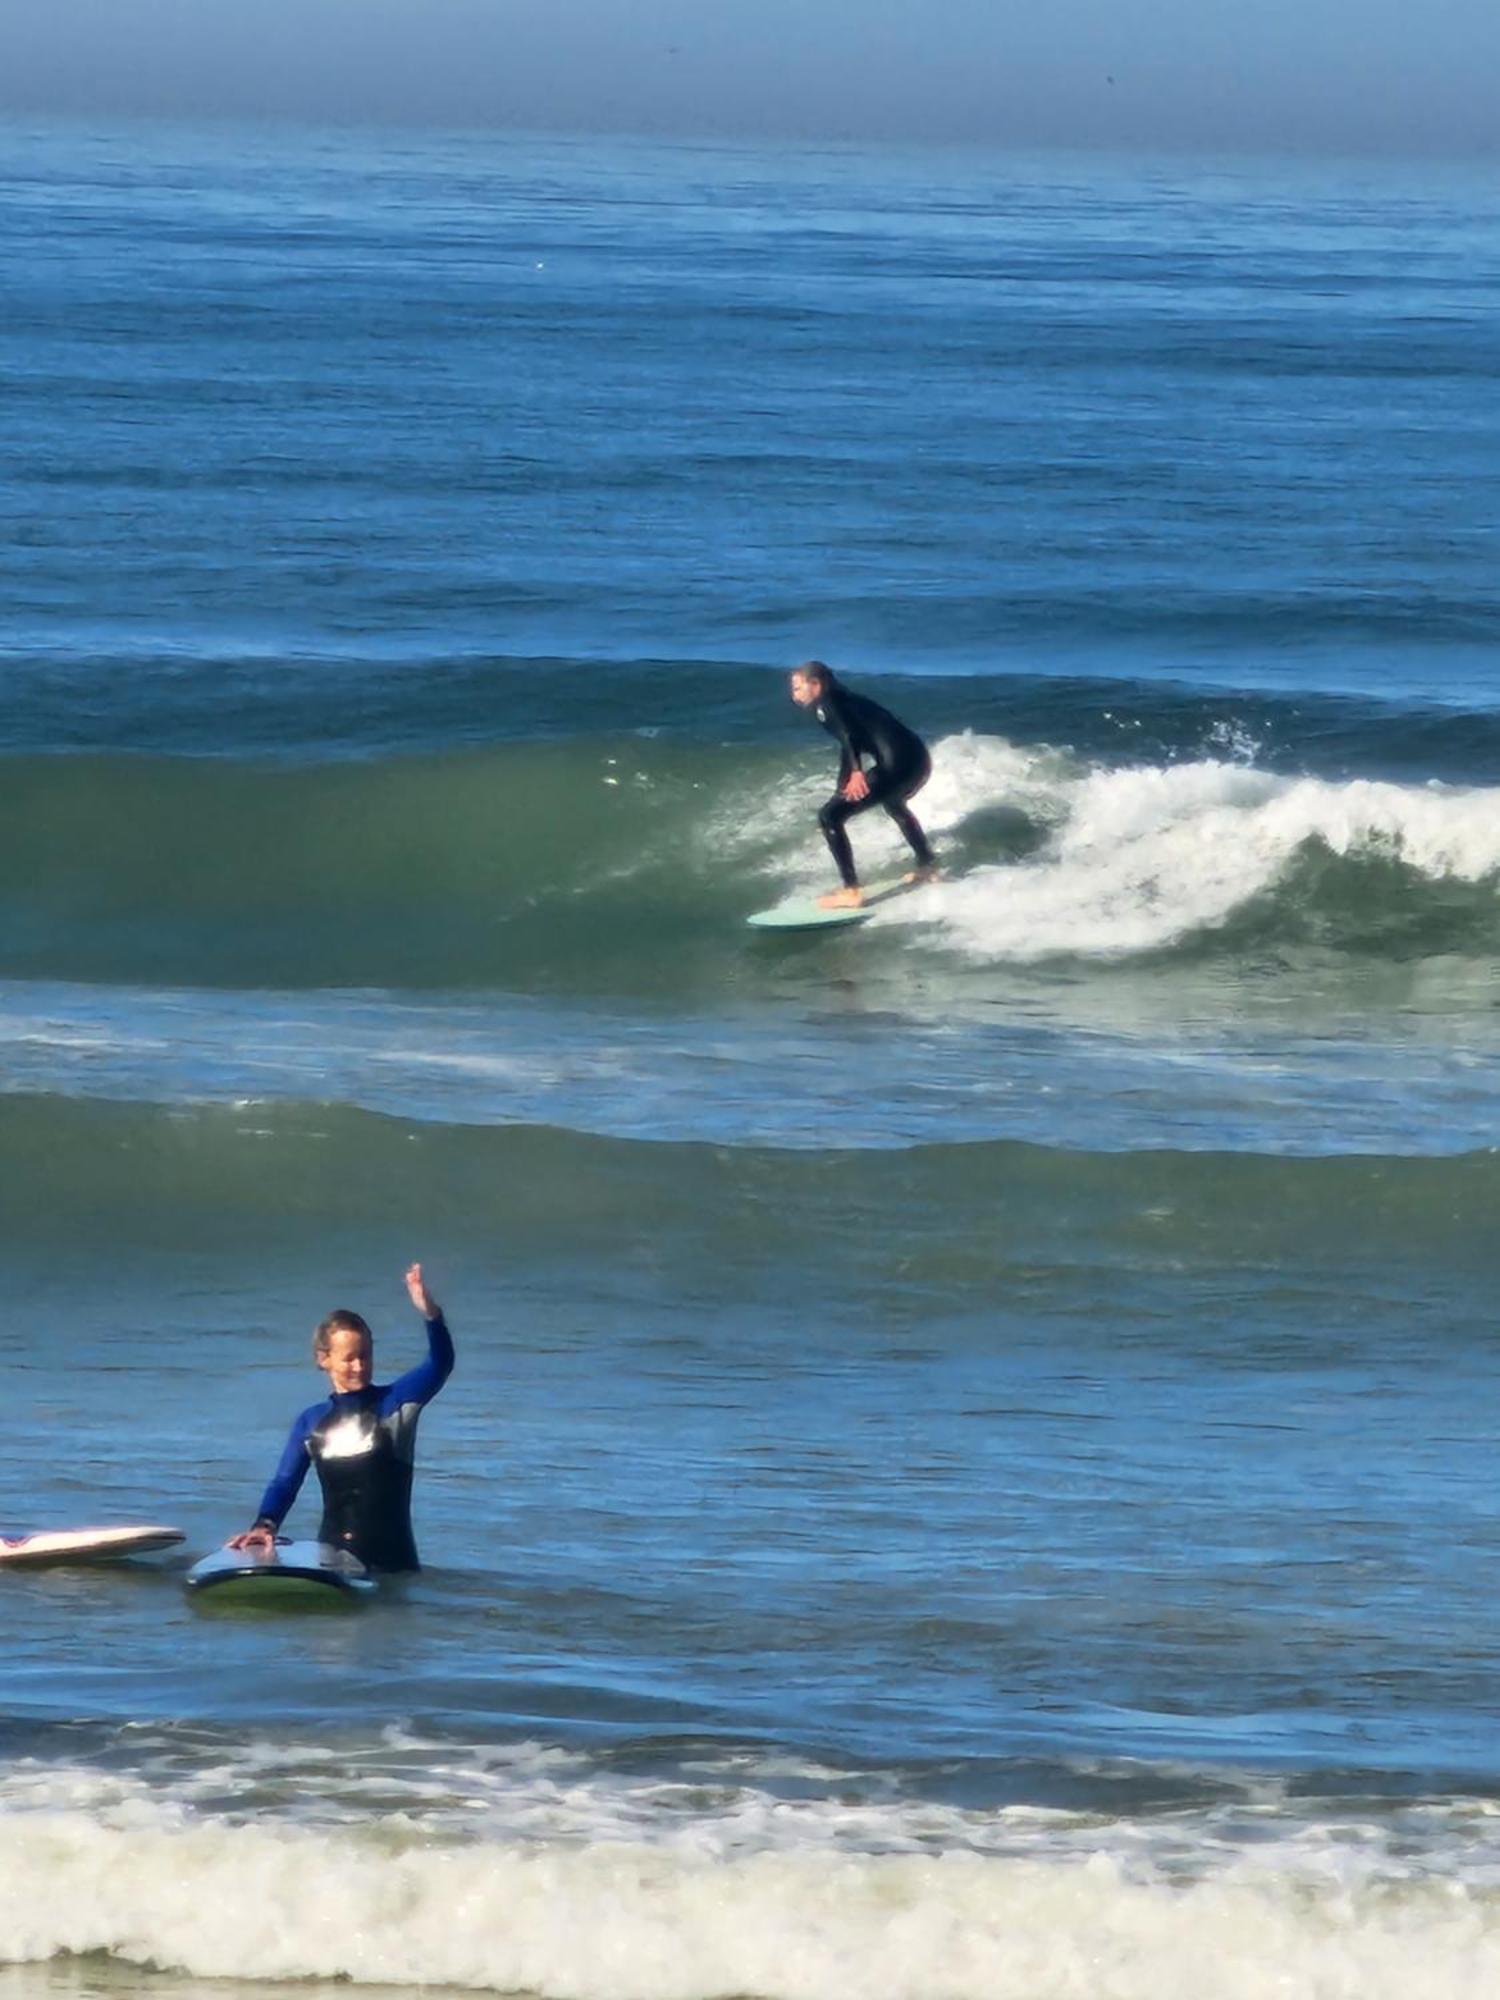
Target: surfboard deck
(294,1576)
(805,913)
(57,1546)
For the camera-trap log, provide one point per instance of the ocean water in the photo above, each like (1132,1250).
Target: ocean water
(971,1470)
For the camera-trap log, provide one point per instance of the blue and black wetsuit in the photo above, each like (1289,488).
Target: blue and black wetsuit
(364,1446)
(899,767)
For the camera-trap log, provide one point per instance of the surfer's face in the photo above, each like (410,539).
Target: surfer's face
(347,1360)
(805,691)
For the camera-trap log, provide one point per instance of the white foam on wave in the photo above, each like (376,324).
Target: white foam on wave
(1141,857)
(596,1892)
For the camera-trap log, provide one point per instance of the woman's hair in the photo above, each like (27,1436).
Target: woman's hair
(338,1322)
(814,670)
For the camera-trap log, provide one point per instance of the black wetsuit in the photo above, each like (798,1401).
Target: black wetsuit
(899,767)
(364,1444)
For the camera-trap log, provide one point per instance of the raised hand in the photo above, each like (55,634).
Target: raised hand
(417,1291)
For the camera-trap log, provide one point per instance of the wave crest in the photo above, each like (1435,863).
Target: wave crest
(1141,859)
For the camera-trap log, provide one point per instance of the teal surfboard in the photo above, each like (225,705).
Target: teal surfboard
(805,913)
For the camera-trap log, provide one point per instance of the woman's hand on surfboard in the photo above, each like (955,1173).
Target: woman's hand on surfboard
(421,1298)
(258,1537)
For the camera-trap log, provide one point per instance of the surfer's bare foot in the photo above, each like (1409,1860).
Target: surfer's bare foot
(842,899)
(916,876)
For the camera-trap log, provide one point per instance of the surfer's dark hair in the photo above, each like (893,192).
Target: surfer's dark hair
(338,1322)
(814,670)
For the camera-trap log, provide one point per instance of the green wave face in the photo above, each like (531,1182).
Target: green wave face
(627,864)
(515,866)
(929,1219)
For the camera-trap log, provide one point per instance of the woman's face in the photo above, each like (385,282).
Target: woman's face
(347,1360)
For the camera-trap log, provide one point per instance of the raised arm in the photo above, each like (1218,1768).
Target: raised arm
(421,1384)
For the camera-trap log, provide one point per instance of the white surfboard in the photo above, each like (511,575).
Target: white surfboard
(308,1576)
(84,1545)
(806,913)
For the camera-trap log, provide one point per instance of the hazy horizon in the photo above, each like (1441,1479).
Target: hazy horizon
(1297,79)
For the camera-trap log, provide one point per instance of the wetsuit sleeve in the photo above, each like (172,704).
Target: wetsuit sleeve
(286,1481)
(421,1384)
(836,722)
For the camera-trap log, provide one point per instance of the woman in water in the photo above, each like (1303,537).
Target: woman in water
(362,1439)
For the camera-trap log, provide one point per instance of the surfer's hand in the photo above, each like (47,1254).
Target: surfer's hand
(421,1298)
(858,786)
(253,1538)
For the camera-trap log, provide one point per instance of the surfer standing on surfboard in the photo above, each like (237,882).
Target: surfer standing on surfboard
(898,768)
(362,1438)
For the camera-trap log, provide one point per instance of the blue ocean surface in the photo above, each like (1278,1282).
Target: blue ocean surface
(970,1473)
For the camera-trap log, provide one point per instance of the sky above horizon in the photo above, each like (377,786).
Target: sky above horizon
(1300,76)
